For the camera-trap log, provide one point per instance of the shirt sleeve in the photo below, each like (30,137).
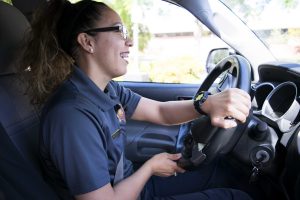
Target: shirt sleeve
(128,99)
(77,148)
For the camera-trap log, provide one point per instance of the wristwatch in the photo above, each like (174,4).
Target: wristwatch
(199,99)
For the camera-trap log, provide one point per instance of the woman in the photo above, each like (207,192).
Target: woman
(83,122)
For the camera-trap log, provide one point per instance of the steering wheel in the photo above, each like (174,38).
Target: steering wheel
(234,72)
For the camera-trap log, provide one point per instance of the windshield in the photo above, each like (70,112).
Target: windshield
(275,22)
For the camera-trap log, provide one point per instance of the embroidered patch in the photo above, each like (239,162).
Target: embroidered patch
(121,114)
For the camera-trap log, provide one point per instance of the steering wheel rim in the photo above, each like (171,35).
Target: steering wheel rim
(237,73)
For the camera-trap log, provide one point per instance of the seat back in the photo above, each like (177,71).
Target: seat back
(18,180)
(19,118)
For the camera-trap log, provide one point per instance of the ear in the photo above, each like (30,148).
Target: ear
(86,42)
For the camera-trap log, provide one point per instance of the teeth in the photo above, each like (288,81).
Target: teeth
(124,55)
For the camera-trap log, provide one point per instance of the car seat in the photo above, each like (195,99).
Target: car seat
(20,169)
(17,116)
(18,180)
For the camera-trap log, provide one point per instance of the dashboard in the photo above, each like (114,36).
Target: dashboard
(275,96)
(275,116)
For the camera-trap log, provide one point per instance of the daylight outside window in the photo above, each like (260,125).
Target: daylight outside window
(171,46)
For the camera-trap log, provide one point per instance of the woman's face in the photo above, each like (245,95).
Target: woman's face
(111,49)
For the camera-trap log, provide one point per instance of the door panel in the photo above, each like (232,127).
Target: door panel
(146,139)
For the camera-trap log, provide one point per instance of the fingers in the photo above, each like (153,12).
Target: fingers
(234,103)
(224,123)
(238,104)
(172,172)
(179,169)
(171,164)
(243,97)
(239,113)
(174,156)
(238,96)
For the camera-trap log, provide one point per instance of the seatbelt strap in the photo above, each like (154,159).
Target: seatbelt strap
(119,175)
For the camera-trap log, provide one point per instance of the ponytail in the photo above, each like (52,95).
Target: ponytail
(51,47)
(44,65)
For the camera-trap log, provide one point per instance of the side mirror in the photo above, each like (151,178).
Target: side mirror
(215,56)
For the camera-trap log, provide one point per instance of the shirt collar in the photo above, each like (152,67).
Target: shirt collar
(105,100)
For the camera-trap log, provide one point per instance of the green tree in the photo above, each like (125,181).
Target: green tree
(289,3)
(124,9)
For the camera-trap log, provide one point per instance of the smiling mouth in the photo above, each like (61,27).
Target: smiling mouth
(125,56)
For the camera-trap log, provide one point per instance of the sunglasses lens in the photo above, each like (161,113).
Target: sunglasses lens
(124,32)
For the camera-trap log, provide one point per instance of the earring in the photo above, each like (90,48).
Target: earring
(91,50)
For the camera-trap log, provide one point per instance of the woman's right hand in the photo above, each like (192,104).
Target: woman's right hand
(236,104)
(164,164)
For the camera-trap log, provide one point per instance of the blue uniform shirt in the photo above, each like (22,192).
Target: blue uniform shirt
(83,134)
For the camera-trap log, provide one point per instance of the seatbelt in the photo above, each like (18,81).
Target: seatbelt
(119,175)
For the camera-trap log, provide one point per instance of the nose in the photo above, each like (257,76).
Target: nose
(129,42)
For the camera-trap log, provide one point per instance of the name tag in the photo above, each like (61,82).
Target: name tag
(116,134)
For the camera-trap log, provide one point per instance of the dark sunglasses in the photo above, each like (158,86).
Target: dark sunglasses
(119,28)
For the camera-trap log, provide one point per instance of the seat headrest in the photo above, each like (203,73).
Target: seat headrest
(13,27)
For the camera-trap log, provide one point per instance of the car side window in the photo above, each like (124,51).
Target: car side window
(172,45)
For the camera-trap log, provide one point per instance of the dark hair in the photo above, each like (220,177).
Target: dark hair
(51,46)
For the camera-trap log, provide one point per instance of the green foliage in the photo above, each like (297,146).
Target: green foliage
(124,9)
(8,1)
(144,36)
(290,3)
